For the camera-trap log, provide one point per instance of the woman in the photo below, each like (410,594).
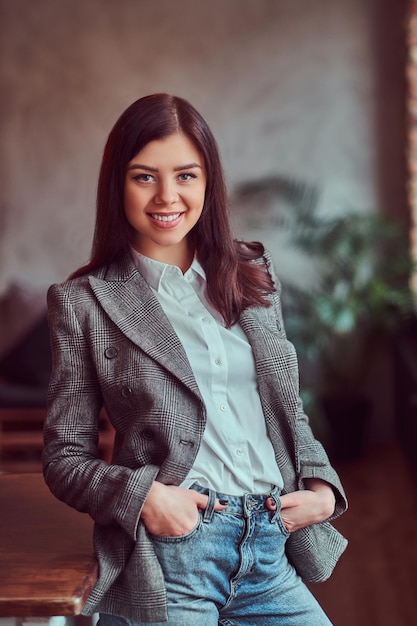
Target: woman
(218,499)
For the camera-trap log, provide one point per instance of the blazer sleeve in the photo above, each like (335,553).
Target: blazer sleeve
(313,461)
(110,494)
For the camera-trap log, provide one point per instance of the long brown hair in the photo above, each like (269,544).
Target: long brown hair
(234,281)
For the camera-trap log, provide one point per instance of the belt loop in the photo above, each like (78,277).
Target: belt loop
(208,513)
(275,495)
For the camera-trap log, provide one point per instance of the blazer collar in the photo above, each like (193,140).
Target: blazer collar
(129,301)
(132,306)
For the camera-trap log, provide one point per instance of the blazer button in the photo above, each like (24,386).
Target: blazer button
(126,392)
(147,434)
(111,352)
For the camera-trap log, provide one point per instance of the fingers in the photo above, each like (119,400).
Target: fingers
(221,505)
(201,501)
(291,499)
(271,503)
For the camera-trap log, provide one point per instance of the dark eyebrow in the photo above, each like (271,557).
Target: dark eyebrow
(148,168)
(189,166)
(138,166)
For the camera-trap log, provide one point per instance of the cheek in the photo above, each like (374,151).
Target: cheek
(133,210)
(127,198)
(134,200)
(199,198)
(196,204)
(128,208)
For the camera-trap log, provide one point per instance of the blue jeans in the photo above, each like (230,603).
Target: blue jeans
(232,570)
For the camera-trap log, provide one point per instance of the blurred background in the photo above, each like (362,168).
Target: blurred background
(313,107)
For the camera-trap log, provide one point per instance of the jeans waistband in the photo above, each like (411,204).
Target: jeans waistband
(242,505)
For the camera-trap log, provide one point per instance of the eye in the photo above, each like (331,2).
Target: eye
(144,178)
(186,176)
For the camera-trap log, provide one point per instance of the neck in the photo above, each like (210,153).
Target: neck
(180,256)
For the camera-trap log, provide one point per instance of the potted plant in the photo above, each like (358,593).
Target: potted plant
(358,301)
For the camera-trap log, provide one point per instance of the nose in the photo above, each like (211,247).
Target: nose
(166,194)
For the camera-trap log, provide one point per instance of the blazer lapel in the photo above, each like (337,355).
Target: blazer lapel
(132,306)
(276,363)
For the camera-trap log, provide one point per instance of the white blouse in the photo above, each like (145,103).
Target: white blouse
(236,455)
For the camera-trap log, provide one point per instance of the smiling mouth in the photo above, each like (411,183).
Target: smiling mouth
(165,218)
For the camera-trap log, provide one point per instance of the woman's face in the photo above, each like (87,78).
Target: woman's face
(164,197)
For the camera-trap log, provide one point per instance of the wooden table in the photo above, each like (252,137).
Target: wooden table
(47,563)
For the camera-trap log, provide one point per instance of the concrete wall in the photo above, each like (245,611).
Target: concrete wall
(308,89)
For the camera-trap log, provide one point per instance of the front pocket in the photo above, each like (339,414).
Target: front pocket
(281,525)
(177,538)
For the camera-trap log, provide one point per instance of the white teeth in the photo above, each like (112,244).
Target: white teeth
(165,218)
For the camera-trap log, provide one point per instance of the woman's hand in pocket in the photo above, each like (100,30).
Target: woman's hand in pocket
(171,511)
(306,507)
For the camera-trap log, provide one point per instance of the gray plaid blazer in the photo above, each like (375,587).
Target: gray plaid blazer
(113,344)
